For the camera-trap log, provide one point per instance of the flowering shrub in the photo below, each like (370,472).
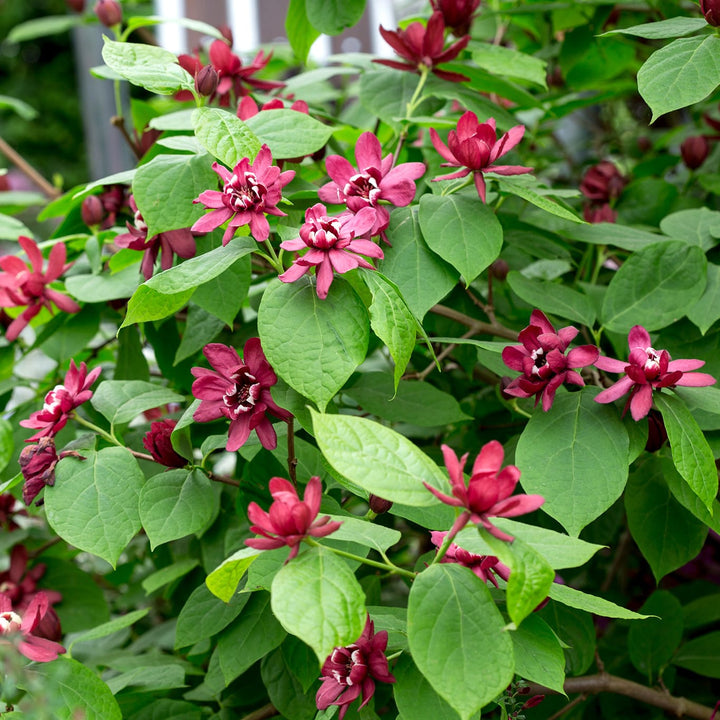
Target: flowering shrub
(244,468)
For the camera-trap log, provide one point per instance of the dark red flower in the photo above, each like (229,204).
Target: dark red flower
(599,213)
(250,191)
(711,11)
(61,401)
(647,369)
(157,443)
(694,151)
(77,5)
(489,491)
(22,286)
(602,182)
(542,360)
(10,508)
(167,244)
(483,566)
(21,630)
(352,671)
(374,184)
(206,81)
(474,146)
(457,14)
(113,199)
(92,210)
(37,464)
(423,47)
(240,391)
(290,519)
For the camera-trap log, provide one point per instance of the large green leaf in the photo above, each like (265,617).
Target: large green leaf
(499,60)
(682,73)
(377,459)
(286,690)
(43,26)
(121,401)
(333,16)
(655,286)
(415,697)
(670,28)
(104,287)
(538,654)
(328,338)
(701,655)
(223,295)
(300,33)
(559,454)
(7,445)
(372,535)
(289,133)
(317,598)
(148,304)
(458,639)
(461,230)
(706,311)
(110,627)
(94,502)
(225,136)
(223,580)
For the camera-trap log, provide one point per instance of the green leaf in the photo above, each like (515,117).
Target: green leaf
(331,17)
(284,688)
(110,627)
(576,632)
(147,304)
(43,26)
(691,453)
(7,444)
(701,655)
(457,636)
(223,580)
(101,288)
(682,73)
(417,403)
(666,533)
(224,295)
(121,401)
(461,230)
(697,226)
(300,33)
(392,321)
(366,533)
(80,692)
(520,188)
(26,112)
(553,298)
(378,459)
(182,179)
(329,338)
(94,502)
(203,28)
(421,276)
(703,611)
(670,28)
(652,643)
(289,133)
(11,228)
(131,363)
(415,696)
(165,709)
(151,678)
(148,66)
(706,311)
(175,504)
(180,120)
(499,60)
(591,603)
(201,328)
(205,615)
(654,287)
(559,454)
(317,598)
(538,654)
(620,236)
(225,136)
(168,574)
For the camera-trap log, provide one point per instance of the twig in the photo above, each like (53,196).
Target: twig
(266,711)
(573,703)
(28,170)
(477,325)
(618,560)
(142,455)
(223,479)
(442,355)
(292,460)
(119,123)
(45,546)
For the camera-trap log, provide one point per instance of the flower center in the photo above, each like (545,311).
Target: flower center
(325,234)
(243,394)
(140,224)
(652,364)
(245,193)
(58,400)
(9,622)
(365,186)
(539,361)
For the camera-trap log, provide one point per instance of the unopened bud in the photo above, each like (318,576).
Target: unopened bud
(533,701)
(499,269)
(108,12)
(92,211)
(694,151)
(379,505)
(711,10)
(206,81)
(657,434)
(77,5)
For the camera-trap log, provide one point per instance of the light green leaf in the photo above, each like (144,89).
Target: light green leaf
(43,26)
(591,603)
(168,574)
(25,111)
(223,580)
(317,598)
(110,627)
(499,60)
(225,136)
(148,304)
(180,120)
(520,188)
(123,400)
(366,533)
(331,17)
(300,33)
(538,654)
(696,226)
(415,697)
(104,287)
(7,444)
(613,234)
(670,28)
(289,133)
(706,311)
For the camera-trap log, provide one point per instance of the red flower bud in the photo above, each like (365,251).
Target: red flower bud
(92,210)
(711,10)
(533,701)
(157,442)
(108,12)
(695,149)
(37,464)
(379,505)
(206,81)
(500,269)
(77,5)
(657,434)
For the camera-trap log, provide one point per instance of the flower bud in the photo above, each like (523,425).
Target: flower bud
(77,5)
(92,211)
(206,81)
(711,10)
(108,12)
(657,434)
(379,505)
(694,151)
(37,464)
(500,269)
(157,443)
(533,701)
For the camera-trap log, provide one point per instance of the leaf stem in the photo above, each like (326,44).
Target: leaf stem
(272,257)
(109,436)
(389,567)
(415,99)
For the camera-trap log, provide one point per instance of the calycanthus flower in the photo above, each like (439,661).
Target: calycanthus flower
(240,391)
(290,519)
(475,147)
(250,191)
(352,671)
(374,181)
(21,285)
(483,566)
(489,491)
(542,360)
(424,47)
(22,630)
(61,401)
(333,245)
(457,14)
(158,443)
(647,369)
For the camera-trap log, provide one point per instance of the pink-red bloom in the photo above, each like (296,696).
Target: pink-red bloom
(21,285)
(457,14)
(290,519)
(489,491)
(21,630)
(352,671)
(247,107)
(37,464)
(61,401)
(167,244)
(424,47)
(333,245)
(542,360)
(374,181)
(250,191)
(474,146)
(602,182)
(483,566)
(157,442)
(240,391)
(648,369)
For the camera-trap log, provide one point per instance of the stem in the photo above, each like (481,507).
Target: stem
(222,479)
(109,436)
(414,100)
(477,325)
(292,460)
(458,525)
(266,711)
(389,567)
(272,257)
(598,264)
(28,170)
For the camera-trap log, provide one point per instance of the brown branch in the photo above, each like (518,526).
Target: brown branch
(222,479)
(604,682)
(573,703)
(143,456)
(28,170)
(266,711)
(119,123)
(477,325)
